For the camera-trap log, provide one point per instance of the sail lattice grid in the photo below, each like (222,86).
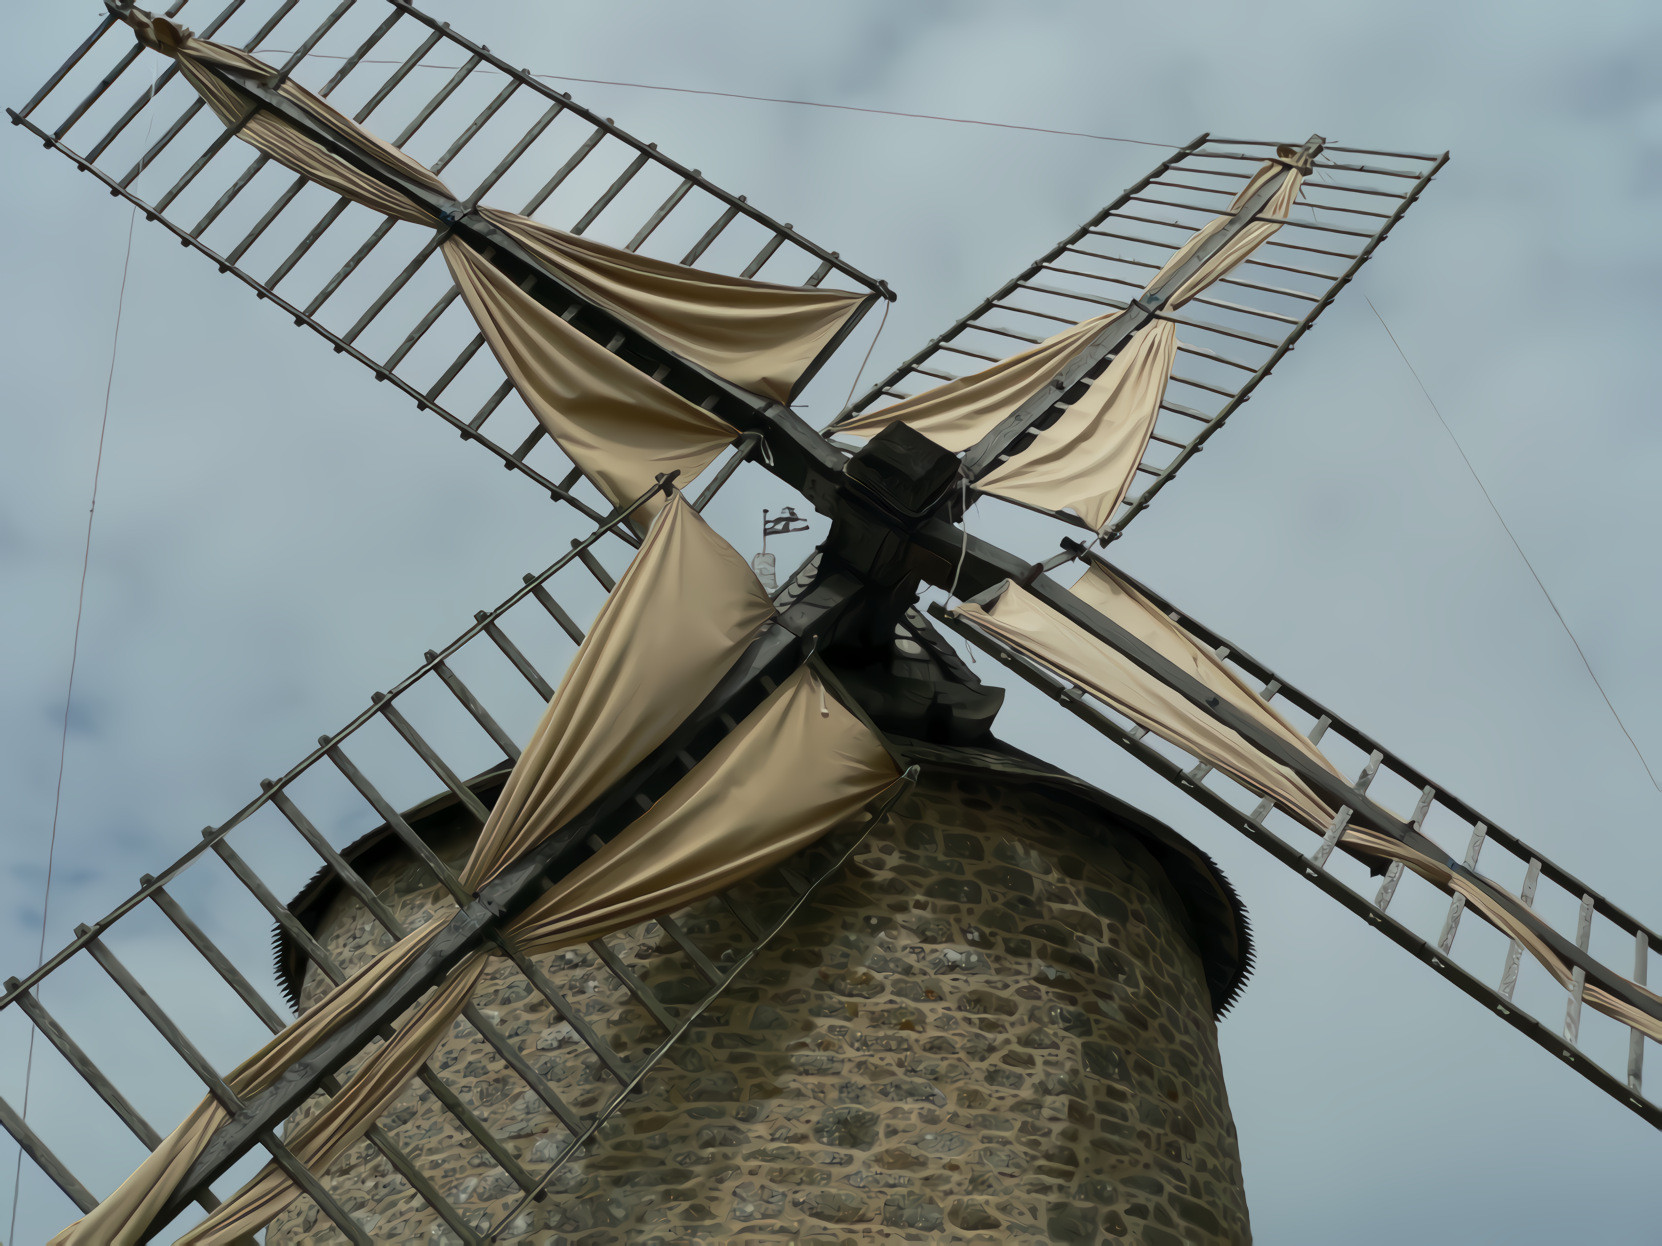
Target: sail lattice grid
(375,288)
(1229,338)
(159,996)
(1431,923)
(174,984)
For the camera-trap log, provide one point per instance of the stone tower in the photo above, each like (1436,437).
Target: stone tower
(996,1026)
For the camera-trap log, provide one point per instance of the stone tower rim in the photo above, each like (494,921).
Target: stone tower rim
(1216,916)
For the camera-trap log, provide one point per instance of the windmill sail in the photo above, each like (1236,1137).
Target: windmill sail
(1120,421)
(1076,667)
(728,816)
(616,422)
(342,252)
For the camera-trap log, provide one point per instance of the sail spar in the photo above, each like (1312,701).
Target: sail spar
(1084,461)
(617,423)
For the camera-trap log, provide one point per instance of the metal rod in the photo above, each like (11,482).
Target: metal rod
(664,209)
(419,847)
(425,323)
(712,233)
(675,166)
(564,171)
(308,43)
(471,703)
(103,84)
(608,1057)
(398,75)
(514,153)
(615,523)
(271,213)
(168,135)
(217,959)
(451,780)
(522,664)
(741,451)
(764,255)
(231,192)
(641,992)
(280,912)
(1578,976)
(454,370)
(1393,872)
(601,204)
(1636,1039)
(92,1075)
(205,1072)
(478,123)
(1451,922)
(705,966)
(396,285)
(556,611)
(75,57)
(42,1157)
(1509,975)
(595,569)
(342,869)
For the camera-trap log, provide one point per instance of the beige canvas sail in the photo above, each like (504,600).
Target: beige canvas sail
(761,336)
(616,424)
(1085,461)
(681,613)
(1063,646)
(798,765)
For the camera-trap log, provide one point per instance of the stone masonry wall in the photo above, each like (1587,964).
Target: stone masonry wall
(992,1029)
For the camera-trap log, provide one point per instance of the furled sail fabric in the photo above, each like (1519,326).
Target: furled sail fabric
(759,335)
(1056,643)
(613,421)
(682,613)
(1085,461)
(272,134)
(794,768)
(1099,440)
(1023,621)
(618,425)
(959,413)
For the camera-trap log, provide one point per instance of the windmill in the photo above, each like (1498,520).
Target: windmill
(1116,651)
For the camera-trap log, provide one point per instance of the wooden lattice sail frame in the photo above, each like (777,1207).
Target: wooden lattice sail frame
(392,314)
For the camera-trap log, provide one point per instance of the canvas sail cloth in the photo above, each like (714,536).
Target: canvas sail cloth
(1033,629)
(794,768)
(1028,625)
(646,663)
(1085,461)
(618,425)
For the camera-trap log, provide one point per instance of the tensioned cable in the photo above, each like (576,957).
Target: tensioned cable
(74,654)
(881,325)
(1507,528)
(766,99)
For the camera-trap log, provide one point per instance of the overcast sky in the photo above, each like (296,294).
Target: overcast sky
(277,535)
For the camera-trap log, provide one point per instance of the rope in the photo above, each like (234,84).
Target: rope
(881,324)
(767,99)
(74,655)
(1562,622)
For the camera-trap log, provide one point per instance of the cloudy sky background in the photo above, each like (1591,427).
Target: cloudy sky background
(277,535)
